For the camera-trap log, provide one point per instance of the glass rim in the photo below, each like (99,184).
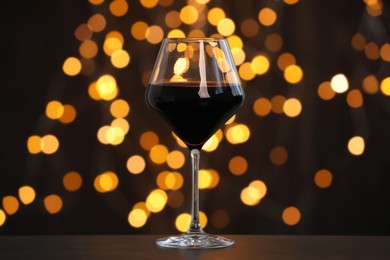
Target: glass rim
(194,39)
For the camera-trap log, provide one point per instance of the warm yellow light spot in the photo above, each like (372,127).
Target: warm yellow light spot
(370,84)
(202,219)
(96,2)
(173,180)
(278,155)
(120,59)
(137,218)
(179,141)
(219,133)
(358,42)
(118,7)
(220,218)
(196,33)
(72,181)
(292,107)
(69,114)
(202,2)
(267,16)
(356,145)
(71,66)
(355,98)
(112,44)
(215,15)
(149,3)
(285,60)
(115,135)
(249,27)
(92,91)
(231,120)
(189,14)
(260,187)
(176,33)
(205,179)
(226,27)
(238,56)
(291,216)
(156,200)
(385,52)
(122,124)
(274,42)
(161,177)
(175,199)
(148,140)
(115,34)
(119,108)
(293,74)
(262,106)
(175,159)
(325,91)
(246,71)
(277,103)
(385,86)
(339,83)
(235,42)
(172,19)
(106,87)
(238,165)
(83,32)
(97,23)
(290,2)
(138,30)
(26,194)
(88,49)
(10,205)
(214,178)
(323,178)
(54,109)
(3,217)
(106,182)
(154,34)
(136,164)
(371,50)
(182,222)
(260,64)
(158,154)
(49,144)
(142,205)
(102,134)
(250,196)
(34,144)
(211,144)
(53,203)
(181,66)
(181,47)
(237,134)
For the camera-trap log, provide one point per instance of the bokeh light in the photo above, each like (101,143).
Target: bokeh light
(72,181)
(323,178)
(136,164)
(356,145)
(291,216)
(53,203)
(27,194)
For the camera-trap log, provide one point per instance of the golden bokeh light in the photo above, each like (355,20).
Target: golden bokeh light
(148,3)
(72,181)
(260,64)
(97,23)
(293,74)
(238,57)
(26,194)
(215,15)
(226,27)
(323,178)
(138,30)
(106,87)
(371,50)
(285,60)
(356,145)
(154,34)
(249,27)
(88,49)
(278,155)
(173,180)
(158,154)
(385,86)
(83,32)
(172,19)
(189,14)
(260,187)
(69,114)
(54,109)
(235,42)
(325,91)
(96,2)
(119,108)
(205,179)
(250,196)
(148,140)
(10,204)
(262,106)
(3,217)
(291,216)
(385,52)
(71,66)
(156,200)
(277,103)
(176,33)
(112,44)
(120,59)
(49,144)
(53,203)
(290,2)
(370,84)
(292,107)
(211,144)
(136,164)
(355,98)
(358,42)
(142,205)
(196,33)
(175,159)
(34,144)
(246,71)
(237,134)
(121,123)
(183,220)
(106,182)
(93,92)
(137,218)
(267,16)
(118,7)
(339,83)
(238,165)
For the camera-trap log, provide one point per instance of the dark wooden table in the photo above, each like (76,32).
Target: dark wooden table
(143,247)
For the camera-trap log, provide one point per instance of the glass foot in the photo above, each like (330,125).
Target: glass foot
(194,241)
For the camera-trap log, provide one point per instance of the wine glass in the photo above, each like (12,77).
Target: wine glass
(195,88)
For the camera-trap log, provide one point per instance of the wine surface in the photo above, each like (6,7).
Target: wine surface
(194,115)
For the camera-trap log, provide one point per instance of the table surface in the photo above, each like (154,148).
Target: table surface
(143,247)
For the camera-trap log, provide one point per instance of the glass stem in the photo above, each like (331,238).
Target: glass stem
(195,224)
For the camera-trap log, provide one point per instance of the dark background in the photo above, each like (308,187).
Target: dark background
(37,36)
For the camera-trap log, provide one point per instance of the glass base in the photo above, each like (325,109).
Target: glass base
(194,241)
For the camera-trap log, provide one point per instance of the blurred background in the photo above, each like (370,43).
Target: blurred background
(308,153)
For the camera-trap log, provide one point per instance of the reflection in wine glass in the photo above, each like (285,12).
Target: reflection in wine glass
(195,88)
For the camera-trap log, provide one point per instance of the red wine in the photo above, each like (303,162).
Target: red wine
(194,118)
